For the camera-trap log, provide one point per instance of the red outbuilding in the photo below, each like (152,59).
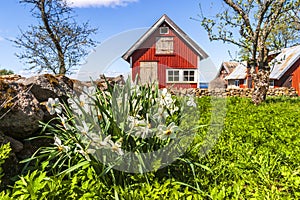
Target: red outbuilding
(285,71)
(167,55)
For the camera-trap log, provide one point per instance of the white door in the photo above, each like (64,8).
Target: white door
(148,72)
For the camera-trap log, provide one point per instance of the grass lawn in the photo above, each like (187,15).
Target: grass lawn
(256,156)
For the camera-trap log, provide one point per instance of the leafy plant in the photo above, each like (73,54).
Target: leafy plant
(255,157)
(4,154)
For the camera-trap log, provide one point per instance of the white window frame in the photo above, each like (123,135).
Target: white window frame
(181,75)
(187,74)
(164,32)
(164,45)
(173,74)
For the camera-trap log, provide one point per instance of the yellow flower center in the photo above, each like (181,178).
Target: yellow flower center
(114,148)
(81,103)
(60,148)
(168,132)
(100,117)
(84,133)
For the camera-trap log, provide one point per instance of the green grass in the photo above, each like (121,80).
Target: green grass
(257,156)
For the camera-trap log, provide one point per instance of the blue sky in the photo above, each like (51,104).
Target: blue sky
(114,17)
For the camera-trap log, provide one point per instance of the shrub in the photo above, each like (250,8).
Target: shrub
(256,157)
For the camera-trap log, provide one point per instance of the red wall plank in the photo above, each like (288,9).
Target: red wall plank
(296,76)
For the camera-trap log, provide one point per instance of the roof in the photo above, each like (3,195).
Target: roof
(229,66)
(284,61)
(240,72)
(178,30)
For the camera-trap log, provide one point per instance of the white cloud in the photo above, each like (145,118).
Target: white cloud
(1,39)
(99,3)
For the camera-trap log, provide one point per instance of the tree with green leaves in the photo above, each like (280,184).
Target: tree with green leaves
(6,72)
(58,43)
(255,27)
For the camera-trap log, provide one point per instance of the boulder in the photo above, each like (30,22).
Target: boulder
(20,112)
(15,145)
(46,85)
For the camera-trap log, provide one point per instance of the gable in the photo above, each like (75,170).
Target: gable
(239,72)
(227,68)
(165,21)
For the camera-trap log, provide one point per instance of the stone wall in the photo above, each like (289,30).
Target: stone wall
(241,92)
(23,107)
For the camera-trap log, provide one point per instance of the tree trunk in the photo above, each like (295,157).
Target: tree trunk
(261,85)
(62,65)
(55,39)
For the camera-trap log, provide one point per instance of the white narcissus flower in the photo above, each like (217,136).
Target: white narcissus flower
(105,142)
(116,147)
(83,103)
(64,122)
(174,109)
(167,101)
(53,106)
(75,106)
(84,129)
(140,128)
(166,98)
(191,102)
(133,121)
(80,150)
(60,147)
(165,132)
(161,115)
(86,102)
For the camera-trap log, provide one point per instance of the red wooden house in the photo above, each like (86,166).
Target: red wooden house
(285,71)
(167,55)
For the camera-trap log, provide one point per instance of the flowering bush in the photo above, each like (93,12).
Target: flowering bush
(131,128)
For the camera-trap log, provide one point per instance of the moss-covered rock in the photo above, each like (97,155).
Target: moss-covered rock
(20,111)
(46,85)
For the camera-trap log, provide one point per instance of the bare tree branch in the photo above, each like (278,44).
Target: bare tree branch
(57,43)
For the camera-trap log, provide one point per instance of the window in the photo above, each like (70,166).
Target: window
(237,83)
(181,76)
(271,83)
(173,75)
(164,30)
(189,75)
(164,45)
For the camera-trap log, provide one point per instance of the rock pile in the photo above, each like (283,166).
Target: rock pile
(22,108)
(235,92)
